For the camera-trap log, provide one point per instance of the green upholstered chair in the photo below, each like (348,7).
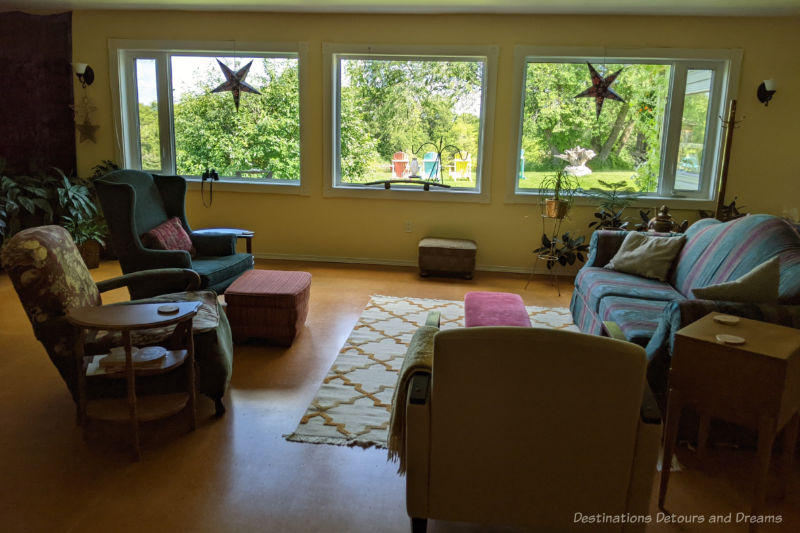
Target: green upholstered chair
(50,277)
(135,202)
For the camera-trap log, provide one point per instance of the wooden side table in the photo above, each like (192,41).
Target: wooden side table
(755,384)
(245,234)
(133,409)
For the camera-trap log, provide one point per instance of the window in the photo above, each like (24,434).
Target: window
(663,140)
(174,122)
(408,117)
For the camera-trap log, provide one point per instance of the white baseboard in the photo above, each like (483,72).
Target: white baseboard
(400,262)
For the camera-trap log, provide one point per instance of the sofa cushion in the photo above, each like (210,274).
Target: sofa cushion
(598,283)
(636,318)
(646,256)
(760,285)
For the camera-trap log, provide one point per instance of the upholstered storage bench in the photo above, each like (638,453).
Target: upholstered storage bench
(449,257)
(495,309)
(268,304)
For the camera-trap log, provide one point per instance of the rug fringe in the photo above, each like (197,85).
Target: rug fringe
(336,441)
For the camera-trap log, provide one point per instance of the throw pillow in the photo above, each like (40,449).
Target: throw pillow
(646,256)
(168,235)
(760,285)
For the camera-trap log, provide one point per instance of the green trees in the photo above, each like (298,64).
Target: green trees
(263,137)
(625,135)
(390,106)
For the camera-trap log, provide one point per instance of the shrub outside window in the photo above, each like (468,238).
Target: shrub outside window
(172,122)
(400,116)
(664,140)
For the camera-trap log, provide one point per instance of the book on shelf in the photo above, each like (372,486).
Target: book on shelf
(143,358)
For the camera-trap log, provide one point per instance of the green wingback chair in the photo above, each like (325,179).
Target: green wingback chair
(50,277)
(134,202)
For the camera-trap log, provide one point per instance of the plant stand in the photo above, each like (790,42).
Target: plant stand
(550,255)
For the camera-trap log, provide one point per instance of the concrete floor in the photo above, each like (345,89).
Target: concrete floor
(237,473)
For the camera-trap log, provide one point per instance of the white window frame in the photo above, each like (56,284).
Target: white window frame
(332,52)
(123,54)
(725,64)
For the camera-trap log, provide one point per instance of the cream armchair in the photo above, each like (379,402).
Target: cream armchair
(530,427)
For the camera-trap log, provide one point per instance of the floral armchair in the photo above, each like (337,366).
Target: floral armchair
(50,277)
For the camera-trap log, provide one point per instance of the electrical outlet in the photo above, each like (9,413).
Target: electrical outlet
(407,226)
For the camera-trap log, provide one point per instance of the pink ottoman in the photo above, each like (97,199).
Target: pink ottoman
(268,304)
(495,309)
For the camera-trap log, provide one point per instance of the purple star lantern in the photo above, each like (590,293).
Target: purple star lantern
(234,82)
(601,89)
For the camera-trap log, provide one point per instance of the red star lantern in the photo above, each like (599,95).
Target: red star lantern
(601,89)
(234,82)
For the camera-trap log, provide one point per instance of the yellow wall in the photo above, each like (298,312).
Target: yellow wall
(764,162)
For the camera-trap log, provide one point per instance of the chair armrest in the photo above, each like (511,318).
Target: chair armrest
(183,279)
(603,245)
(417,445)
(214,244)
(433,319)
(148,258)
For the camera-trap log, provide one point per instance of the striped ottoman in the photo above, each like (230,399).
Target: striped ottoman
(268,304)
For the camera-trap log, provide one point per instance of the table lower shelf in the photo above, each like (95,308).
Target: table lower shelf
(150,407)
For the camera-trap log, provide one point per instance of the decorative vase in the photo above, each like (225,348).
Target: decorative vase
(555,208)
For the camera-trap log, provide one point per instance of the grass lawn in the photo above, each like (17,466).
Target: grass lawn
(534,178)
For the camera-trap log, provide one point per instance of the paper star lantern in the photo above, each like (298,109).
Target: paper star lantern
(234,82)
(87,130)
(601,89)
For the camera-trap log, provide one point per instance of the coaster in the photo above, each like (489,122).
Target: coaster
(727,319)
(730,339)
(167,309)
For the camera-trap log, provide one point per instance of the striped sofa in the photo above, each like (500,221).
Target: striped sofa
(648,312)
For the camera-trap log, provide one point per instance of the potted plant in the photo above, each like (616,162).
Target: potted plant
(612,200)
(564,250)
(89,235)
(558,191)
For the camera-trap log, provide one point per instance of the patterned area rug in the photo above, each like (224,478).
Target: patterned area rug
(353,403)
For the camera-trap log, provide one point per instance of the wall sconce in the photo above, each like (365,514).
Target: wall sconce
(84,73)
(765,91)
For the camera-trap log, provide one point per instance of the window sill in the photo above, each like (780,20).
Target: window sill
(435,194)
(271,187)
(672,202)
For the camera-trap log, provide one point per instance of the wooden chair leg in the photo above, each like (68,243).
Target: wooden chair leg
(419,525)
(702,436)
(674,408)
(766,438)
(789,449)
(219,407)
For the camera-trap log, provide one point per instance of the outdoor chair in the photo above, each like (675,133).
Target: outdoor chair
(431,166)
(524,427)
(461,169)
(50,277)
(399,165)
(135,203)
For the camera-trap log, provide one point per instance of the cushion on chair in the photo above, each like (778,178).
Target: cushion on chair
(223,270)
(169,235)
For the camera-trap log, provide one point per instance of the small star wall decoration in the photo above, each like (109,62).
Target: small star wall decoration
(601,89)
(87,130)
(234,82)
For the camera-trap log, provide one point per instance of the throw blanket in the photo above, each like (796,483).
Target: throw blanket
(419,358)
